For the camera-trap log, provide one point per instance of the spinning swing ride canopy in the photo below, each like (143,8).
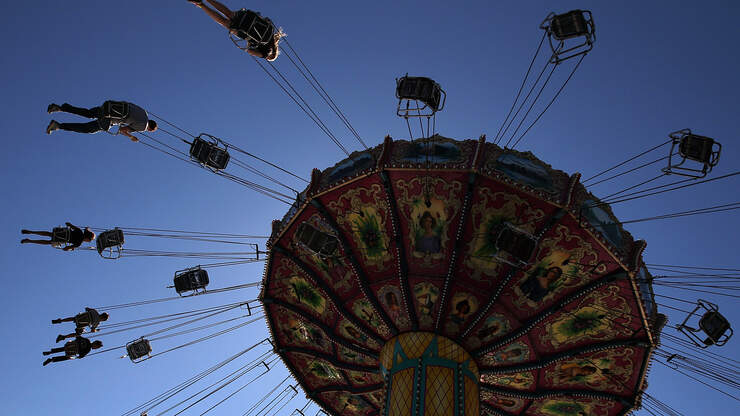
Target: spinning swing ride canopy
(495,274)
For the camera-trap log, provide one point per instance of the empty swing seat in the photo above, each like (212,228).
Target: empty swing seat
(516,243)
(570,25)
(319,242)
(715,326)
(109,243)
(422,89)
(698,148)
(208,154)
(701,149)
(138,350)
(192,280)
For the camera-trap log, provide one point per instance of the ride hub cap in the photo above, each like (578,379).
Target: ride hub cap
(427,374)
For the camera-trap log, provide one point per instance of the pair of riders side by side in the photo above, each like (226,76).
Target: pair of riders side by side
(80,346)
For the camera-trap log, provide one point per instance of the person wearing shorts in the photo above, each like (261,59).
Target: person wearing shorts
(231,19)
(76,237)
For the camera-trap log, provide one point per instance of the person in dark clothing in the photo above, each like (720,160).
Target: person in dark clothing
(90,318)
(130,117)
(538,285)
(231,19)
(77,348)
(76,237)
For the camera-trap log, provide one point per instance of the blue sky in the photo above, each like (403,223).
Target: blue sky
(656,67)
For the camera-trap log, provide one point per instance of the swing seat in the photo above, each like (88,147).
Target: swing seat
(713,324)
(249,29)
(109,243)
(703,150)
(699,148)
(570,25)
(208,153)
(138,350)
(116,110)
(419,89)
(518,244)
(319,242)
(193,280)
(60,237)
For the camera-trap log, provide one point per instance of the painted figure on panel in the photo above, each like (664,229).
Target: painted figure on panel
(574,372)
(463,304)
(428,222)
(428,240)
(390,298)
(505,402)
(519,380)
(363,310)
(538,285)
(426,295)
(513,353)
(547,276)
(352,333)
(493,326)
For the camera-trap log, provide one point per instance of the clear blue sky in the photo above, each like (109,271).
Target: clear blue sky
(656,67)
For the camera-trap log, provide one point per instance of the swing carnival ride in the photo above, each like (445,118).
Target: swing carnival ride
(467,282)
(438,276)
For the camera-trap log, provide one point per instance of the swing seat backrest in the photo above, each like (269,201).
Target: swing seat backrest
(249,25)
(70,349)
(109,239)
(209,154)
(138,349)
(569,25)
(60,235)
(191,280)
(116,110)
(218,159)
(714,325)
(419,88)
(697,148)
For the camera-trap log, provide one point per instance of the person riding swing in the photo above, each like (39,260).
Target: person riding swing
(73,239)
(75,349)
(90,318)
(259,32)
(128,116)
